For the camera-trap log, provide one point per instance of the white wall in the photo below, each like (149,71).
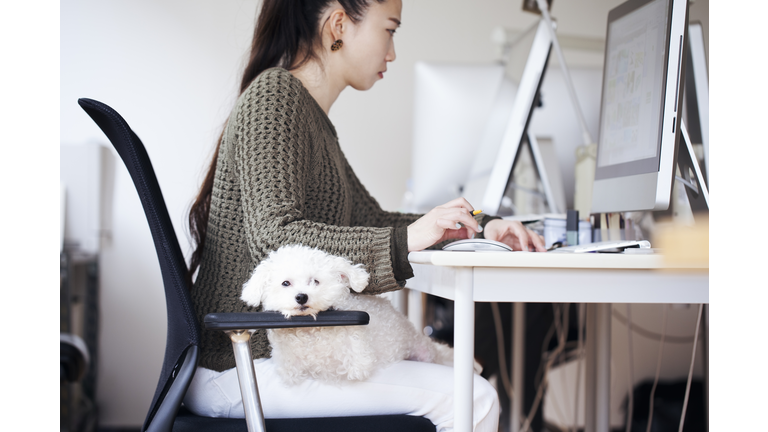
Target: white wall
(171,68)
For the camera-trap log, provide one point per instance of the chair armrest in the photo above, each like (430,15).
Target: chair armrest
(239,327)
(270,320)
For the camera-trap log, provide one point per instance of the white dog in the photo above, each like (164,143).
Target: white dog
(298,280)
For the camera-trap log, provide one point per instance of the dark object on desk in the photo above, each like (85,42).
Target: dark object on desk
(668,407)
(183,335)
(572,228)
(555,245)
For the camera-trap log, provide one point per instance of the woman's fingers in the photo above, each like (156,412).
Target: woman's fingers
(448,224)
(465,217)
(515,235)
(454,220)
(451,220)
(522,235)
(458,202)
(458,216)
(538,242)
(529,240)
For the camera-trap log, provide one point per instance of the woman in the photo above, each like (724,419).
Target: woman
(279,177)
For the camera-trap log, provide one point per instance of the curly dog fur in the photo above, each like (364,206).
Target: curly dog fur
(298,280)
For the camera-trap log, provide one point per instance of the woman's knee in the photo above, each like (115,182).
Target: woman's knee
(486,398)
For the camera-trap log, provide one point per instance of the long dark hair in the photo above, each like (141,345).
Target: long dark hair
(287,34)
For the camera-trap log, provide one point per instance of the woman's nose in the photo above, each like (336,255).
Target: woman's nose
(391,53)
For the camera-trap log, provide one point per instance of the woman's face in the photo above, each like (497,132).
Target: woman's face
(369,44)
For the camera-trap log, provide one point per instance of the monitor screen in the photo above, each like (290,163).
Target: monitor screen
(630,132)
(639,132)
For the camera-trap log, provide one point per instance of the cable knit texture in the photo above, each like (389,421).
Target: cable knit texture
(281,179)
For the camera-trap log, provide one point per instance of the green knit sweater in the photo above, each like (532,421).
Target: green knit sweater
(281,178)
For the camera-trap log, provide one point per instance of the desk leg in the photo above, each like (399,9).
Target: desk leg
(416,309)
(705,349)
(464,349)
(598,372)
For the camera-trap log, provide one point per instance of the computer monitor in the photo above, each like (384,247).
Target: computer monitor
(452,104)
(641,106)
(516,127)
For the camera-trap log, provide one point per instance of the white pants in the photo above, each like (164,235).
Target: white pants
(406,387)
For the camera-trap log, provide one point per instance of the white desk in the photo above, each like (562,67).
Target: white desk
(595,279)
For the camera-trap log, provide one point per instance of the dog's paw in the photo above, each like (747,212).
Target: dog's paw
(422,353)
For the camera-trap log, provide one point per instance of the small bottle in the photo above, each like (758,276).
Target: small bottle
(572,228)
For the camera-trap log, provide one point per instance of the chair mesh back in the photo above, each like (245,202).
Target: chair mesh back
(183,330)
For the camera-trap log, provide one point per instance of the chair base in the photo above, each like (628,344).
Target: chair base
(188,422)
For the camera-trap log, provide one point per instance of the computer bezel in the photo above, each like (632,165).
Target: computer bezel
(615,189)
(520,118)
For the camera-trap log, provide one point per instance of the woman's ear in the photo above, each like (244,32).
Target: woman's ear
(254,287)
(337,23)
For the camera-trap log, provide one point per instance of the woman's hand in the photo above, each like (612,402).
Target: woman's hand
(442,223)
(514,234)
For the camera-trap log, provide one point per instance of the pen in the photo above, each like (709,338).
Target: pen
(475,213)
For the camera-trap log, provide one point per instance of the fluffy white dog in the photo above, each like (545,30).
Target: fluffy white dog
(298,280)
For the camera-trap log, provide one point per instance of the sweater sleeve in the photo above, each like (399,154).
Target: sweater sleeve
(272,157)
(368,212)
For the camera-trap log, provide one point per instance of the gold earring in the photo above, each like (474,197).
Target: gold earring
(337,45)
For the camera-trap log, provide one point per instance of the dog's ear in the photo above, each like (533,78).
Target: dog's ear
(354,276)
(254,287)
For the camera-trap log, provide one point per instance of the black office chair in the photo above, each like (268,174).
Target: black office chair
(166,412)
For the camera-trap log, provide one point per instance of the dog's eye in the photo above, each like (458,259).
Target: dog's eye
(316,282)
(286,283)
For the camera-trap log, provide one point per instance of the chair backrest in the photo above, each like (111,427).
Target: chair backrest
(181,348)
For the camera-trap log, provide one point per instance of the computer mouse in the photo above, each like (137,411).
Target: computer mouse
(477,245)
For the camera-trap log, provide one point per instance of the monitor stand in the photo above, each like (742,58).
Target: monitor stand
(545,161)
(696,108)
(691,176)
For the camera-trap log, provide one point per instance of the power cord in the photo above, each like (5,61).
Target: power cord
(560,326)
(658,369)
(650,334)
(630,411)
(504,374)
(690,371)
(506,383)
(580,352)
(561,317)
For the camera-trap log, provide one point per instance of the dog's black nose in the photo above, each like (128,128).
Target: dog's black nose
(301,298)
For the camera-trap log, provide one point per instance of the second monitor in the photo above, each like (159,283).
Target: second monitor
(641,107)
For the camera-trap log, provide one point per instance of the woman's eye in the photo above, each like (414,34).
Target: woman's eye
(391,32)
(286,283)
